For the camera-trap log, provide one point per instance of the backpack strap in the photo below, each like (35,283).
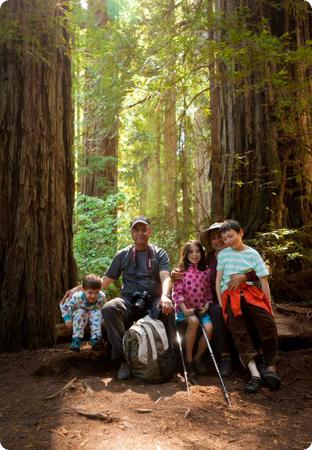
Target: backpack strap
(159,328)
(142,341)
(151,338)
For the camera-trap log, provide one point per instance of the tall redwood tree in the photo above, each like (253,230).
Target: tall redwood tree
(261,118)
(36,172)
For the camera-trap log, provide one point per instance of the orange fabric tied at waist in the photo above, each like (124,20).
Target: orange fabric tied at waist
(252,295)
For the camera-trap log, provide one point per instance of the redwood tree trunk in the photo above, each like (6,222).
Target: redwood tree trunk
(36,171)
(261,173)
(170,157)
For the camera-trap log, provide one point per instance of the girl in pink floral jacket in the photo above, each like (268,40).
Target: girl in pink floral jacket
(193,292)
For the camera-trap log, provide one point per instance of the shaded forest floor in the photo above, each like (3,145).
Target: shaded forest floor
(45,397)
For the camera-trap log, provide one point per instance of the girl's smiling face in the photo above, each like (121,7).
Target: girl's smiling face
(194,254)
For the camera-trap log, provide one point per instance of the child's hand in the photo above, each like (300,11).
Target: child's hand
(69,324)
(189,312)
(203,310)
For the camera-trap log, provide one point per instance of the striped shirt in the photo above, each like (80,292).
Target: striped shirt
(232,261)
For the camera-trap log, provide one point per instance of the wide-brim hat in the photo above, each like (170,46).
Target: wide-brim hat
(205,235)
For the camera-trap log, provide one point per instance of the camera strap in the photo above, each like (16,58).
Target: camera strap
(149,257)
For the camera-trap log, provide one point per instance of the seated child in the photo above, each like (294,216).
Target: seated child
(192,293)
(85,305)
(247,309)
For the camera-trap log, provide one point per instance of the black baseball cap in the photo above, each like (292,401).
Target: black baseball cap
(140,219)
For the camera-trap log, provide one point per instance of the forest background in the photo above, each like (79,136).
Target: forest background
(187,111)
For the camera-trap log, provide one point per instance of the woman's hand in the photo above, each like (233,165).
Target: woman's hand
(235,280)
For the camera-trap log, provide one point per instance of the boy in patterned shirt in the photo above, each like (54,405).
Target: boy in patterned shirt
(83,307)
(247,309)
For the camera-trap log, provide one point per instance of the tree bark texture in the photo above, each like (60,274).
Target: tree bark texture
(170,157)
(154,178)
(36,171)
(185,182)
(101,161)
(202,163)
(260,175)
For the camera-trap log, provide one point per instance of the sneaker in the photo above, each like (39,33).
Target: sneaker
(75,345)
(200,367)
(270,379)
(191,373)
(226,366)
(124,372)
(253,386)
(96,345)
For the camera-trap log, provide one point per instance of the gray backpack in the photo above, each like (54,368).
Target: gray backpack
(146,349)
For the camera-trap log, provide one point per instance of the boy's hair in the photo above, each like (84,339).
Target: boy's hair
(91,281)
(184,263)
(230,224)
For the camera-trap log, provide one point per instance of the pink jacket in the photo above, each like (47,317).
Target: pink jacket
(194,289)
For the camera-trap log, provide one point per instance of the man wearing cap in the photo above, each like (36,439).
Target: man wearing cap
(144,268)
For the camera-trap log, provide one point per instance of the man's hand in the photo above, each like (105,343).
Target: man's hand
(69,324)
(236,280)
(166,304)
(70,293)
(176,275)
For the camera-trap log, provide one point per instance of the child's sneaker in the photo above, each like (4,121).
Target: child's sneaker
(191,373)
(75,345)
(226,366)
(200,367)
(253,386)
(96,345)
(270,379)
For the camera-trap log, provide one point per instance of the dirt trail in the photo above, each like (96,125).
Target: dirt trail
(38,413)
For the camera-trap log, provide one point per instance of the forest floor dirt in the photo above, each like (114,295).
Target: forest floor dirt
(40,410)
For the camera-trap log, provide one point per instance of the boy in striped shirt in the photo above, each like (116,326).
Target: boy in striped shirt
(247,309)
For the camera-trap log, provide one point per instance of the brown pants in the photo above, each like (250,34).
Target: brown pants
(253,329)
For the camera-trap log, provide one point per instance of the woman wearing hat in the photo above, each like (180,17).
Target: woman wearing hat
(222,340)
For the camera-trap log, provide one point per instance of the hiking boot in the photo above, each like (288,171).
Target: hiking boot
(75,345)
(200,367)
(191,373)
(124,372)
(253,386)
(96,345)
(270,379)
(226,366)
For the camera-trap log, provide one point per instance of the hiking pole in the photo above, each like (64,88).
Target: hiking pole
(182,357)
(225,393)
